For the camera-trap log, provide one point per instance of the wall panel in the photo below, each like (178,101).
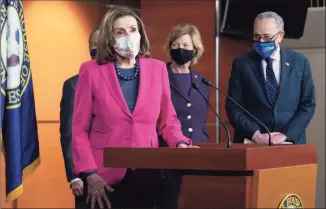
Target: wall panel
(57,37)
(228,51)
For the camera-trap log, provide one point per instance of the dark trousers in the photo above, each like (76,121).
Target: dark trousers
(138,189)
(169,191)
(80,202)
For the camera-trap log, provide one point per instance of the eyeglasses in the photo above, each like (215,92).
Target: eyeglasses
(266,38)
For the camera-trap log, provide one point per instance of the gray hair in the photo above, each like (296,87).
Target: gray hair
(278,19)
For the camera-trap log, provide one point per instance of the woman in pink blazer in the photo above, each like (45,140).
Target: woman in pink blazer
(122,100)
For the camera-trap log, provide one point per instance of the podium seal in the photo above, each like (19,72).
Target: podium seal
(291,201)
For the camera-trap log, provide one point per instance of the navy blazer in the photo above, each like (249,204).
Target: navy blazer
(295,105)
(66,111)
(191,110)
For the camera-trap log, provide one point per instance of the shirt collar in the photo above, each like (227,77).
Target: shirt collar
(277,55)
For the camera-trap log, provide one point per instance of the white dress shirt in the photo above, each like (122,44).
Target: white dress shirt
(75,180)
(276,65)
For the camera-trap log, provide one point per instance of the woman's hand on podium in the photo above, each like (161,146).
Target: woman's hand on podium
(183,145)
(97,191)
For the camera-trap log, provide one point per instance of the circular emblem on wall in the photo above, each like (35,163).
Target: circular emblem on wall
(291,201)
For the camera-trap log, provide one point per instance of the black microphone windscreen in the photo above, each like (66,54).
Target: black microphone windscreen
(205,81)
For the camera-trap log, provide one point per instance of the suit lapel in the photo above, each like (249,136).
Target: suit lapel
(258,71)
(144,84)
(110,78)
(285,71)
(173,82)
(194,78)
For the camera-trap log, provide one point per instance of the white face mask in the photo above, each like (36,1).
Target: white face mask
(128,46)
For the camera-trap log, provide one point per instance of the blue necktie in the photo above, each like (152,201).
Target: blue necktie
(271,82)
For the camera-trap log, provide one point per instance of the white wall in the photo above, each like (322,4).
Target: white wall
(314,32)
(316,129)
(312,45)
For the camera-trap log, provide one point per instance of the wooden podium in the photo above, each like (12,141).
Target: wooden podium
(245,176)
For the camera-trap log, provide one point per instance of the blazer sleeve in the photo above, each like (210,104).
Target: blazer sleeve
(83,158)
(306,109)
(239,120)
(66,110)
(169,127)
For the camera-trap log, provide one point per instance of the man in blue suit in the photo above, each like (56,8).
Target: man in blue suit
(274,84)
(66,112)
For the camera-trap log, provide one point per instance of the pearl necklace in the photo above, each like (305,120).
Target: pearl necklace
(127,78)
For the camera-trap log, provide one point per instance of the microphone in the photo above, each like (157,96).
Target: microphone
(195,86)
(207,82)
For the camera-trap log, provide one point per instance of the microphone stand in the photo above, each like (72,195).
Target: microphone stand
(229,143)
(207,82)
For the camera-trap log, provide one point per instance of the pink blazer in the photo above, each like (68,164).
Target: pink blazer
(101,116)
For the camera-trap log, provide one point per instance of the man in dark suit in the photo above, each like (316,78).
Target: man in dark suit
(274,84)
(66,111)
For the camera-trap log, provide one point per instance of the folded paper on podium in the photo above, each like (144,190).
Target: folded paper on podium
(244,176)
(247,141)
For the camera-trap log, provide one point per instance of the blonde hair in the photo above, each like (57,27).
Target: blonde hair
(193,32)
(105,51)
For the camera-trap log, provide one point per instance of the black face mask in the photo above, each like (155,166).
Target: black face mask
(93,53)
(181,56)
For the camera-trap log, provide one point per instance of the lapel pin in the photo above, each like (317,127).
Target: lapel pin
(195,76)
(287,64)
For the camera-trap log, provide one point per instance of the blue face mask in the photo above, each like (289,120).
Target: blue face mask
(264,49)
(93,53)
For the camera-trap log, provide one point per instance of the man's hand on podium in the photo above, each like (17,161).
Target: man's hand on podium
(260,138)
(278,138)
